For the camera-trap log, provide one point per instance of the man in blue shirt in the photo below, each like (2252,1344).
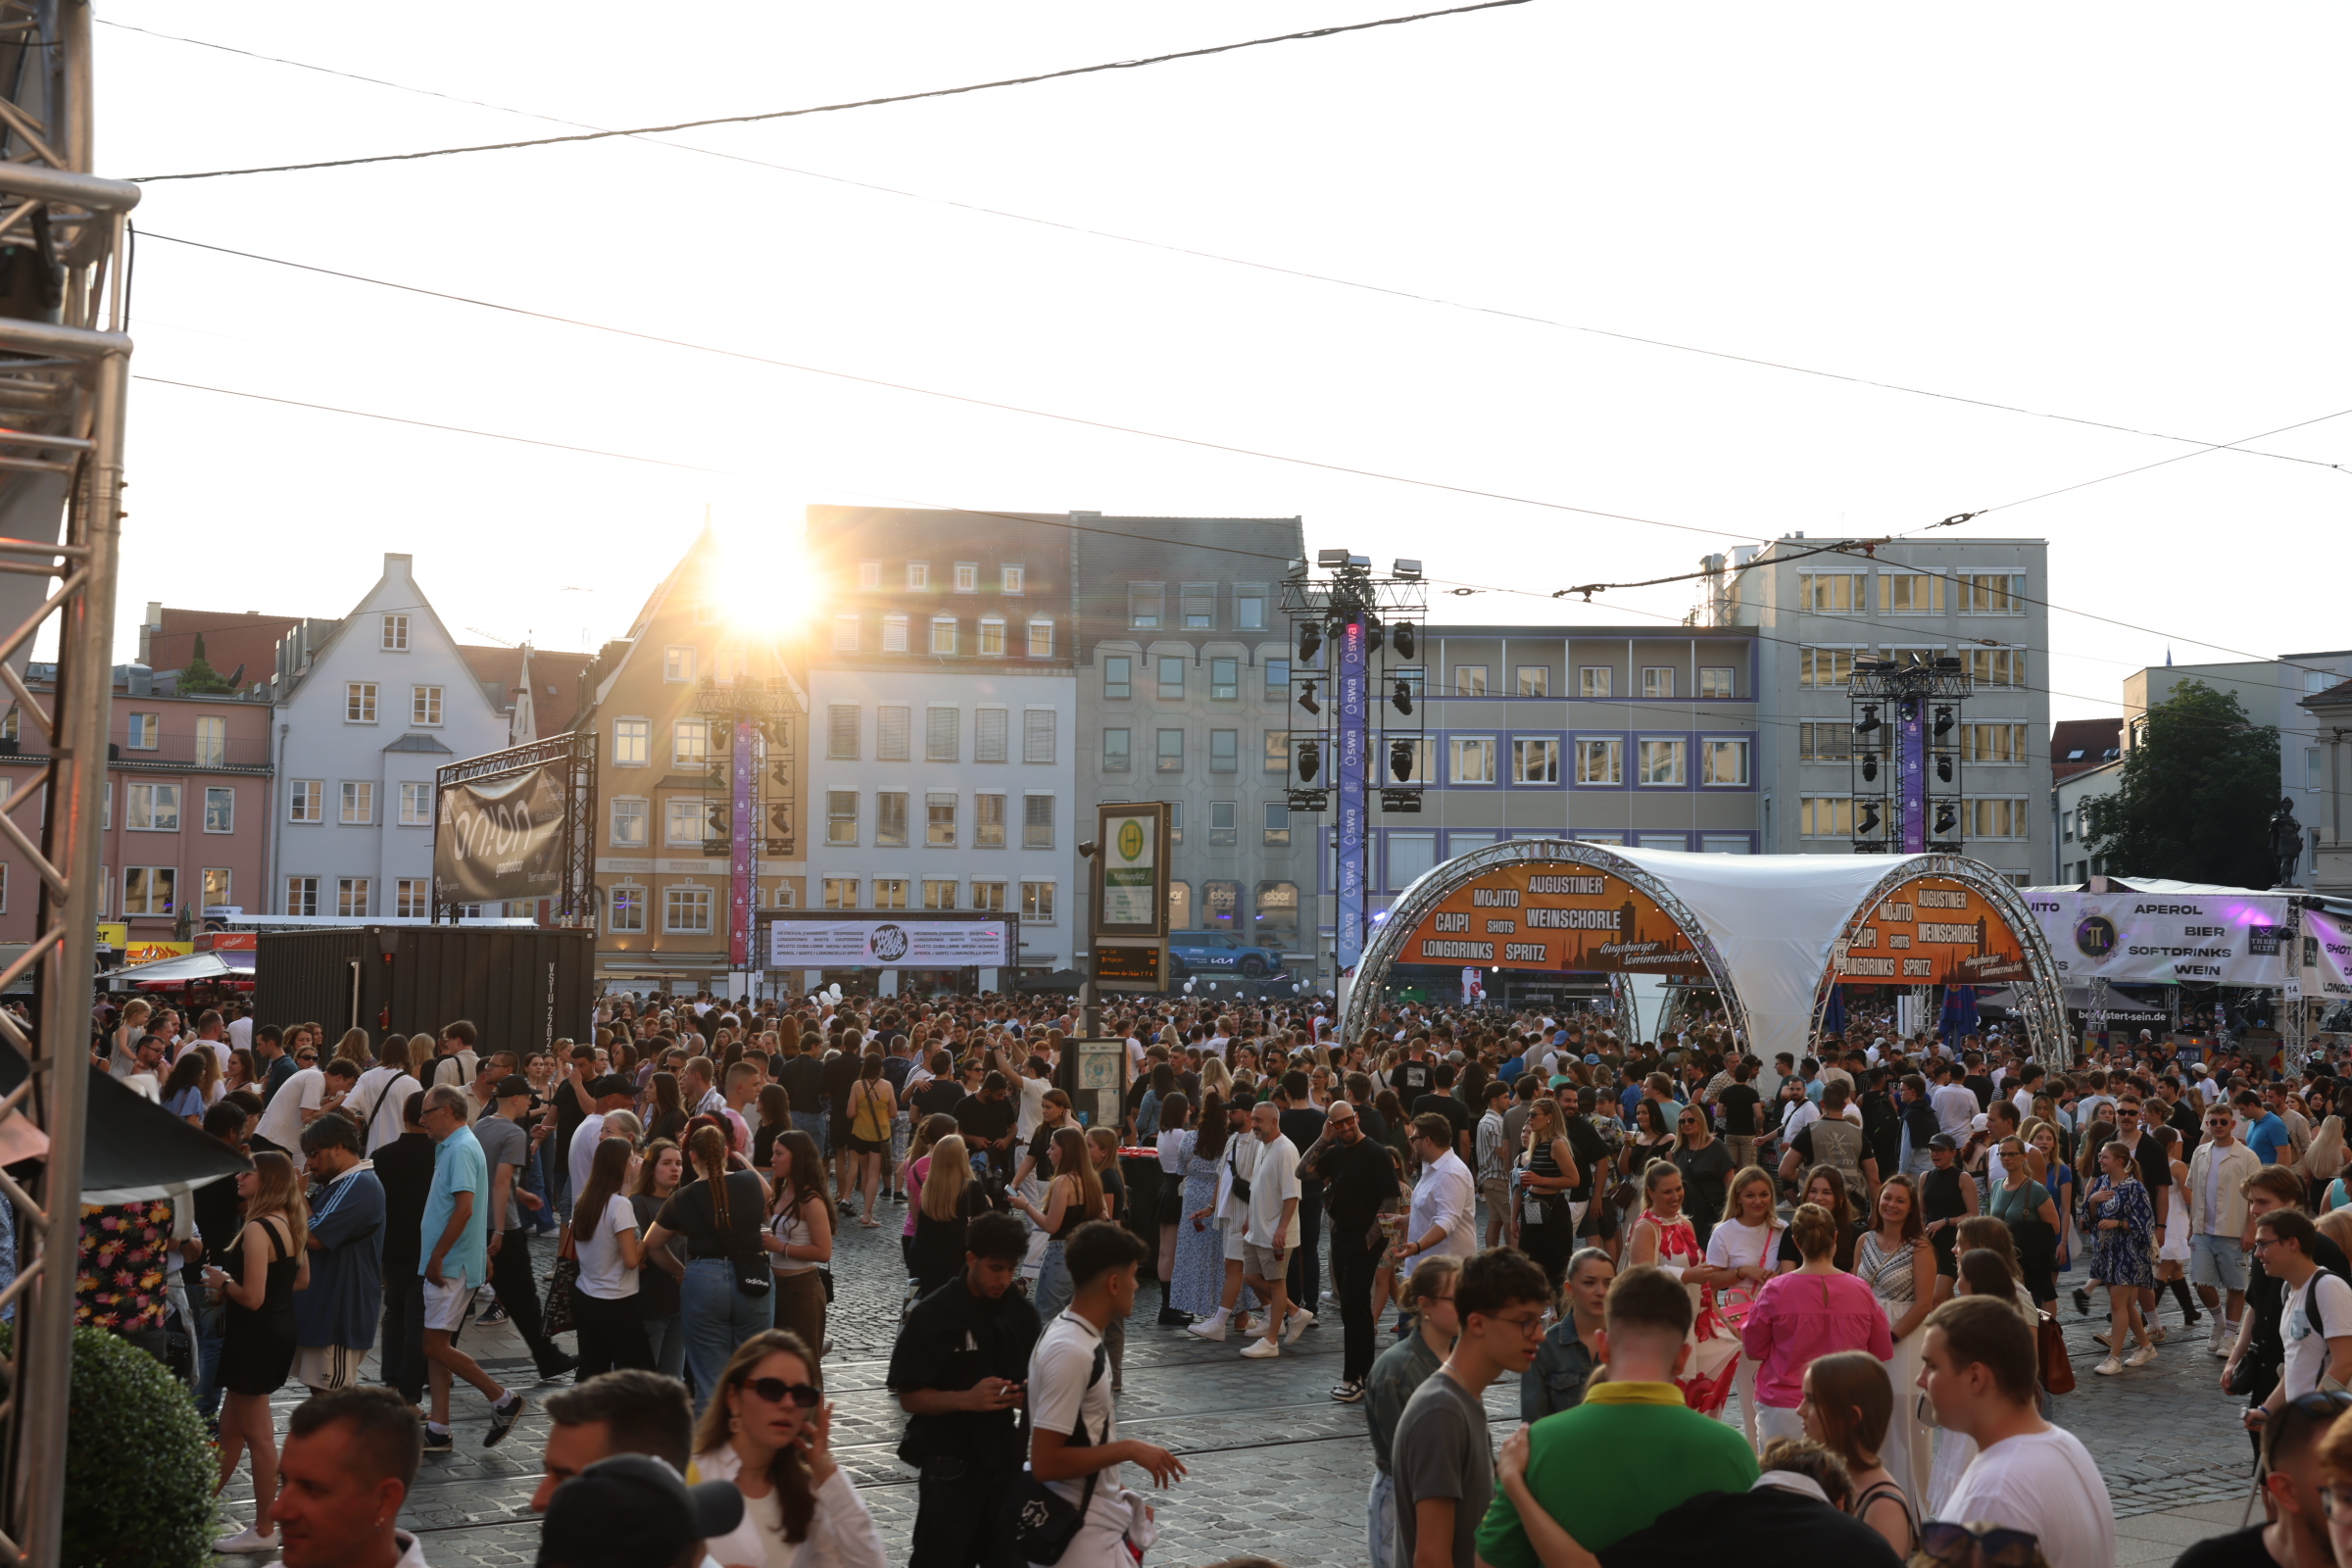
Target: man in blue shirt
(456,1238)
(2266,1134)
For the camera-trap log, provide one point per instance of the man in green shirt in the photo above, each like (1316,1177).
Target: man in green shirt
(1633,1450)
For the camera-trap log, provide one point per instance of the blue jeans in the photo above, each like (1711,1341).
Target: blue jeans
(668,1337)
(812,1122)
(1054,1288)
(533,1177)
(211,1330)
(717,1318)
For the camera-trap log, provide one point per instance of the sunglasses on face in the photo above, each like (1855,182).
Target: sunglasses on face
(775,1391)
(1947,1542)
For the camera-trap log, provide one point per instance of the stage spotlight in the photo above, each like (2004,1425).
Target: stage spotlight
(1403,641)
(1310,757)
(1401,699)
(1310,642)
(1869,768)
(1945,817)
(1870,819)
(1306,699)
(1943,769)
(1869,719)
(1943,721)
(1400,759)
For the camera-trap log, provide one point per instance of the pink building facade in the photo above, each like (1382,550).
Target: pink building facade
(187,805)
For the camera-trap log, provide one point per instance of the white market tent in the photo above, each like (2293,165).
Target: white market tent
(1766,924)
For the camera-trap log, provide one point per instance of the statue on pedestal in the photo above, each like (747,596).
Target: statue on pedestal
(2286,843)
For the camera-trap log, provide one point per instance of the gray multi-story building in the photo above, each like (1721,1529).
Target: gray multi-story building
(1184,689)
(943,700)
(1981,601)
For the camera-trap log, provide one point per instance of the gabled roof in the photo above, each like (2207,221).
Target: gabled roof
(422,608)
(2338,694)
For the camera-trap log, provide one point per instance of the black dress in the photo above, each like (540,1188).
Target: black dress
(1941,1197)
(257,1347)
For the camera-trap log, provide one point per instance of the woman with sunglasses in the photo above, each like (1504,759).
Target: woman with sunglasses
(1705,1162)
(769,1431)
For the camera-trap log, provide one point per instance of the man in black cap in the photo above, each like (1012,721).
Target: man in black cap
(506,1147)
(957,1369)
(634,1512)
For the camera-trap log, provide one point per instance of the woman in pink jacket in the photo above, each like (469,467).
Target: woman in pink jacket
(1812,1312)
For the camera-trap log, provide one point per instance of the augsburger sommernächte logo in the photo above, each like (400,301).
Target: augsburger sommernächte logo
(889,943)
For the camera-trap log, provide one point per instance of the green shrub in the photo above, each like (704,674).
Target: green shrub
(140,1464)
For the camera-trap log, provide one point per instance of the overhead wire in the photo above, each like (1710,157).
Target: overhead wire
(1273,267)
(1843,546)
(1305,35)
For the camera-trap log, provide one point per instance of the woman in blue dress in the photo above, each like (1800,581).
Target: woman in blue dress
(1198,1282)
(2123,1252)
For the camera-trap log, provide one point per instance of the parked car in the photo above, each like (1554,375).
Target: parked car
(1222,952)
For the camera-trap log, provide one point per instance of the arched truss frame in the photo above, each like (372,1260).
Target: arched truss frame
(1434,886)
(2043,1007)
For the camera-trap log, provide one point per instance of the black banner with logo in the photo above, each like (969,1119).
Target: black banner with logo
(499,838)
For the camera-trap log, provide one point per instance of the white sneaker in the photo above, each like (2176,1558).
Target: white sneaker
(1208,1328)
(1301,1321)
(2158,1333)
(1249,1322)
(1261,1350)
(2109,1367)
(2222,1340)
(246,1542)
(2141,1356)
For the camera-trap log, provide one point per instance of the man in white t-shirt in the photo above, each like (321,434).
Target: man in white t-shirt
(2316,1320)
(1980,1370)
(606,1095)
(298,1102)
(1074,1418)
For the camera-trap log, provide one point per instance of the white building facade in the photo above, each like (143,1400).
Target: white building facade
(367,708)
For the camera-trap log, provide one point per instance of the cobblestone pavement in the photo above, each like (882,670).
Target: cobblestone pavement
(1276,1467)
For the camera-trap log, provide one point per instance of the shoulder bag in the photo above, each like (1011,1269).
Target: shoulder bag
(1043,1521)
(755,1277)
(2056,1366)
(562,1280)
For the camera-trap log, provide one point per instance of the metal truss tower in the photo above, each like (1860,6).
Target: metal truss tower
(64,366)
(1907,757)
(1368,717)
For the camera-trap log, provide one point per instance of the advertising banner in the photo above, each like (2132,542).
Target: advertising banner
(1552,916)
(2327,957)
(872,942)
(2231,939)
(1934,931)
(501,838)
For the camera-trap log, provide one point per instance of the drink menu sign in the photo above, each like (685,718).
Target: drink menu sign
(1934,931)
(1557,916)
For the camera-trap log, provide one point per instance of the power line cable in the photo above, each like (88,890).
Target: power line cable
(1837,547)
(859,102)
(957,397)
(428,425)
(1259,265)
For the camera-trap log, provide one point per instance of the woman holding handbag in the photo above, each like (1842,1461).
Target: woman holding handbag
(1548,1170)
(728,1293)
(1742,1254)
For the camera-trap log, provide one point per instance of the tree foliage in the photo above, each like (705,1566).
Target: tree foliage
(200,675)
(2194,797)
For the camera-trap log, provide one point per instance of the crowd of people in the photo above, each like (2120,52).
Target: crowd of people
(1811,1301)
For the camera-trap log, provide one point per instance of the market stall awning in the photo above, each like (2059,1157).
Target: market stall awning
(134,1148)
(181,970)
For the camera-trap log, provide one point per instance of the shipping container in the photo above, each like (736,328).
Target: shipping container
(519,987)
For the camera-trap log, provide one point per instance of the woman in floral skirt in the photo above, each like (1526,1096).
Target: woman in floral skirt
(2123,1251)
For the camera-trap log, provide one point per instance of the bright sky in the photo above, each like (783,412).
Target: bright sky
(2122,214)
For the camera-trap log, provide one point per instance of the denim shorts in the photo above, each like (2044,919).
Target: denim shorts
(2217,1260)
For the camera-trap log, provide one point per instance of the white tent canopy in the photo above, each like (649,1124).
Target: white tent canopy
(1772,919)
(185,967)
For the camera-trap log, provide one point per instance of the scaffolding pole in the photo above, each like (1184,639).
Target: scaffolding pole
(65,368)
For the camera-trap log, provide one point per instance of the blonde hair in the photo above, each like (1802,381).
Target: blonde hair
(278,1191)
(950,1173)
